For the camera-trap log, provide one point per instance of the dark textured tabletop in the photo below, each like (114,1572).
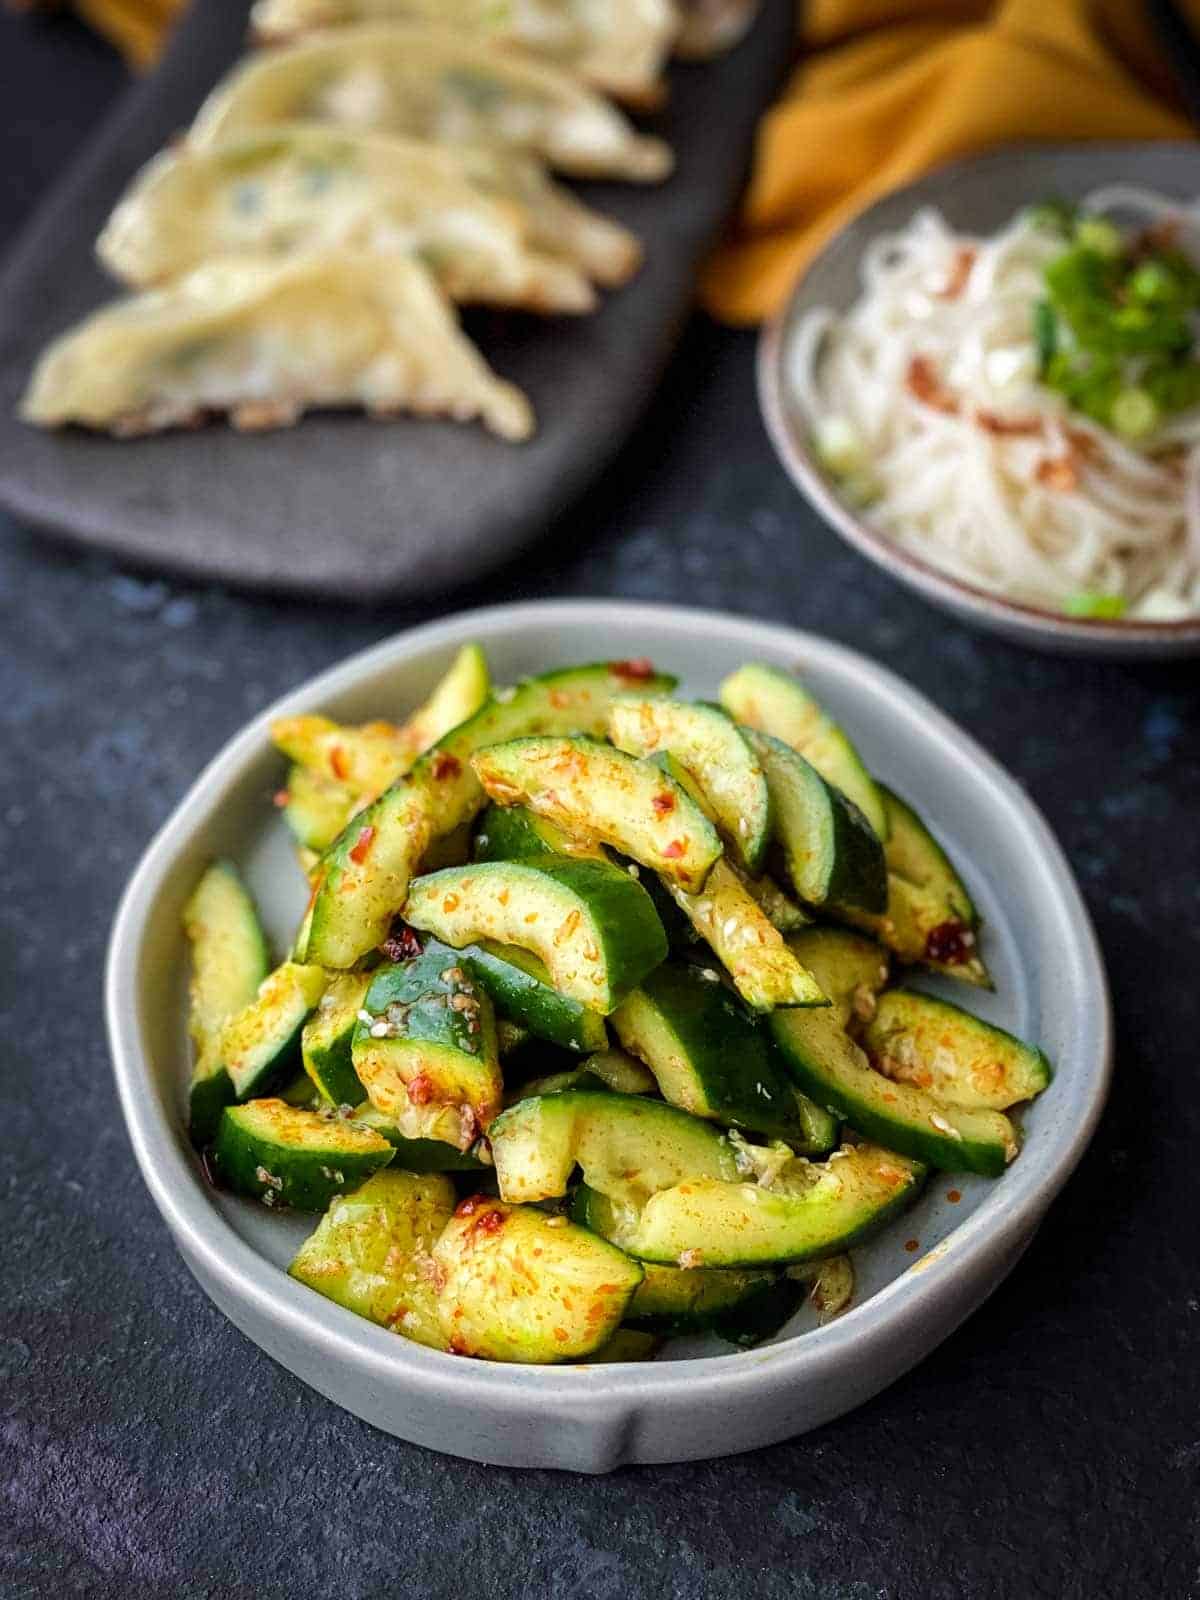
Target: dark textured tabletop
(1050,1448)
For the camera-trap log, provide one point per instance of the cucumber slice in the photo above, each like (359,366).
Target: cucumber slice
(627,1147)
(620,1072)
(514,833)
(300,1092)
(853,969)
(426,1038)
(325,1044)
(585,787)
(762,697)
(520,987)
(315,808)
(707,1053)
(607,1069)
(711,747)
(832,856)
(365,873)
(363,760)
(728,915)
(260,1046)
(229,961)
(810,1210)
(751,949)
(959,1059)
(557,1083)
(930,918)
(418,1155)
(289,1156)
(458,695)
(591,925)
(674,1303)
(373,1253)
(760,1316)
(627,1344)
(829,1066)
(518,1285)
(776,905)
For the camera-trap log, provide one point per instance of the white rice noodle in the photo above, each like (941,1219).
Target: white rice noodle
(1036,515)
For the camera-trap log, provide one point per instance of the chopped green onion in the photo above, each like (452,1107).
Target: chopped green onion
(838,446)
(1101,237)
(1153,283)
(1045,334)
(1089,604)
(1134,414)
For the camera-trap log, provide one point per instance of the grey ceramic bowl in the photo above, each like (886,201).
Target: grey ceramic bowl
(691,1402)
(978,196)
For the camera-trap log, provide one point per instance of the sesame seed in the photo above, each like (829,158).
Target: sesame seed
(945,1127)
(381,1029)
(632,870)
(707,972)
(365,1018)
(505,694)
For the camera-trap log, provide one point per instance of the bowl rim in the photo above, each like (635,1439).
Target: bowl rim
(1000,1225)
(930,580)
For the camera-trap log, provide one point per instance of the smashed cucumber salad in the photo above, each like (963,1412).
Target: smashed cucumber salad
(595,1028)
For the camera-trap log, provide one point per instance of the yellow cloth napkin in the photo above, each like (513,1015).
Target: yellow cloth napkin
(138,28)
(886,89)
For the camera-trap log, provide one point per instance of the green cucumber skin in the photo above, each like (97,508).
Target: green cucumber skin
(673,1303)
(277,1055)
(1027,1069)
(514,833)
(775,702)
(303,1180)
(710,746)
(207,1099)
(525,998)
(920,1143)
(325,1046)
(632,940)
(356,901)
(600,791)
(785,1236)
(549,1135)
(422,988)
(211,1088)
(855,875)
(760,1316)
(738,1072)
(417,1155)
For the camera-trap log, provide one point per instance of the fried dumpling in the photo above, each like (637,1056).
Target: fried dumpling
(618,47)
(431,83)
(266,340)
(710,27)
(309,186)
(559,223)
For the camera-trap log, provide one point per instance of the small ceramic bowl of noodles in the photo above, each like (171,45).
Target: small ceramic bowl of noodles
(989,383)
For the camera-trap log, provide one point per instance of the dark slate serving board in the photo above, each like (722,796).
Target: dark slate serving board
(341,505)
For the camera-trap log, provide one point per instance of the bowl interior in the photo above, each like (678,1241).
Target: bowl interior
(1045,972)
(976,196)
